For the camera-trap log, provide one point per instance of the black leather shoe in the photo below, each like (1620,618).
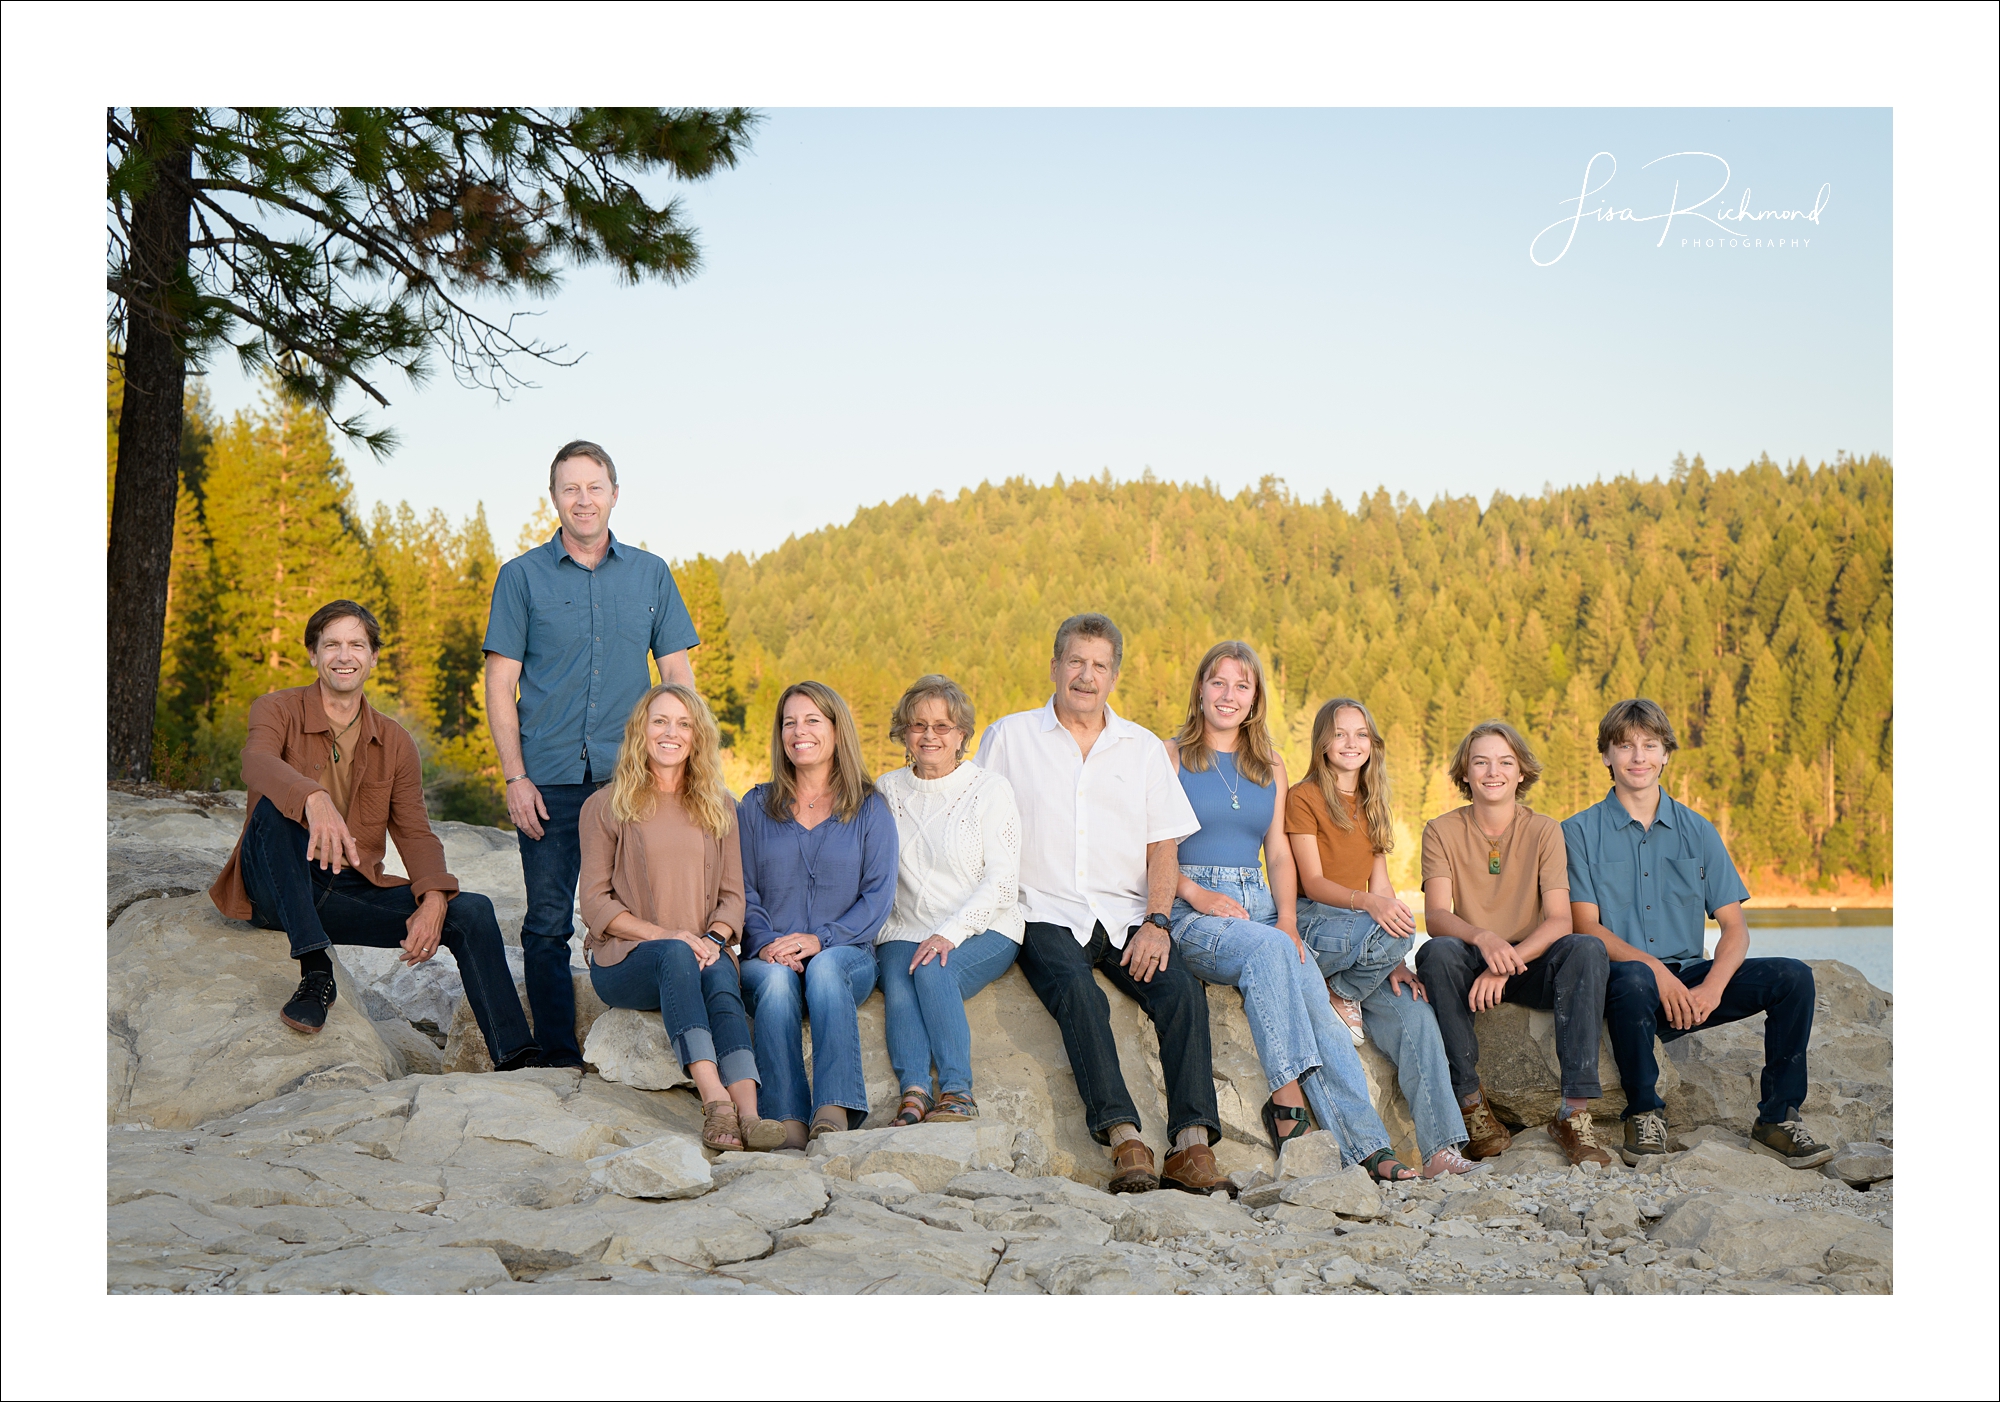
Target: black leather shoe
(307,1010)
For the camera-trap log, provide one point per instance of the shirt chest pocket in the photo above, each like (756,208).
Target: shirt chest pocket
(1683,884)
(631,622)
(368,805)
(558,622)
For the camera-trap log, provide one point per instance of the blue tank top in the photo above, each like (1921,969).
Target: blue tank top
(1229,836)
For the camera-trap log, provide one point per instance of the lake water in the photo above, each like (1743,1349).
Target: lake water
(1862,938)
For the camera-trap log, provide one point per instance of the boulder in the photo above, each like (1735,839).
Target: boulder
(1349,1194)
(1153,1216)
(1716,1165)
(1523,1078)
(928,1155)
(391,990)
(417,1054)
(1861,1164)
(486,860)
(1315,1154)
(633,1048)
(671,1166)
(193,1009)
(1751,1234)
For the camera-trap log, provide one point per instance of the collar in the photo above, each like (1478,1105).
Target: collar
(1115,726)
(316,718)
(1664,816)
(611,549)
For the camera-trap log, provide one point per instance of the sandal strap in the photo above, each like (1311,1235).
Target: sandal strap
(1382,1159)
(1288,1112)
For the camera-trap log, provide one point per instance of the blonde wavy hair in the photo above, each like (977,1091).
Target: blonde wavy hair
(1371,789)
(635,794)
(1461,763)
(851,782)
(1256,757)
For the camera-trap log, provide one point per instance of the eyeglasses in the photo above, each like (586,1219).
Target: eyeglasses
(920,729)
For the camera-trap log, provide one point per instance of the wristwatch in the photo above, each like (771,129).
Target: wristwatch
(1166,925)
(721,940)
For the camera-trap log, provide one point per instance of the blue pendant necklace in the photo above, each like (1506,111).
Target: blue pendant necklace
(1233,788)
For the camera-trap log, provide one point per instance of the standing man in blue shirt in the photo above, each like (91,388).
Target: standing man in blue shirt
(1643,870)
(572,623)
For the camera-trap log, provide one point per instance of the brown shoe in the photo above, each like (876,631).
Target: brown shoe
(1132,1165)
(1194,1170)
(1575,1137)
(1486,1137)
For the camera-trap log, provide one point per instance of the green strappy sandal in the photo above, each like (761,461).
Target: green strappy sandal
(1384,1167)
(916,1104)
(1273,1112)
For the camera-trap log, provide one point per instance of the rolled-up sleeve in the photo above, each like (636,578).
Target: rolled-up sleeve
(729,898)
(862,919)
(597,843)
(264,767)
(423,854)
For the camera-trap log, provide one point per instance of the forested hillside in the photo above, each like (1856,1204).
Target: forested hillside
(1754,605)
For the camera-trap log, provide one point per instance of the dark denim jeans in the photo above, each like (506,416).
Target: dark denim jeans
(702,1009)
(1059,970)
(1568,978)
(316,907)
(549,868)
(1781,989)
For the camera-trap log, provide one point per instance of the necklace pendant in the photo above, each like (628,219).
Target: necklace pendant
(1493,864)
(1233,803)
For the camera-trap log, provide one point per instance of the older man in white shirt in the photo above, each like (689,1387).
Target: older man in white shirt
(1102,816)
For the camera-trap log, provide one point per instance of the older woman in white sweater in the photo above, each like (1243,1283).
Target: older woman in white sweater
(956,923)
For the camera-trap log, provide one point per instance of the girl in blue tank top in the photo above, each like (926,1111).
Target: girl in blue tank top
(1235,928)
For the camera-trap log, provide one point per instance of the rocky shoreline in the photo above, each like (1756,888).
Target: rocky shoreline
(384,1156)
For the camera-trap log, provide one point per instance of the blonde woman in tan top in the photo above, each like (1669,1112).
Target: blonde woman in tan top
(662,895)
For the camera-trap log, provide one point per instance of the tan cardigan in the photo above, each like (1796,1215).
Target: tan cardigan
(665,871)
(286,756)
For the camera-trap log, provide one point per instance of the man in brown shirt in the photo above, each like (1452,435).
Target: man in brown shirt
(1496,907)
(329,777)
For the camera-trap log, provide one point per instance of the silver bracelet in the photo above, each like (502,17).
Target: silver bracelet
(517,778)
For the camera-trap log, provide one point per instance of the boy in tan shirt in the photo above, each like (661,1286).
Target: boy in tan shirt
(1496,907)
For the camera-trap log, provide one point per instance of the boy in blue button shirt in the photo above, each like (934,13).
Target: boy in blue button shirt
(1643,870)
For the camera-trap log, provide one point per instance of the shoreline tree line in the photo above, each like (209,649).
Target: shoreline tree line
(1754,605)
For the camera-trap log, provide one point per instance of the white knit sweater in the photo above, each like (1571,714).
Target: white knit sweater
(959,871)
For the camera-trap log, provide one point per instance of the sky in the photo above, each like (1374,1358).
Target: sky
(904,301)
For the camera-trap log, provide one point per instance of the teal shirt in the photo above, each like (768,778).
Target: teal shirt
(581,636)
(1652,887)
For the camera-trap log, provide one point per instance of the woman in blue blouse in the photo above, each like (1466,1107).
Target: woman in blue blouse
(819,875)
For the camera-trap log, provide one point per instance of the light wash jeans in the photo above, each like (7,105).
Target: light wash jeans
(837,981)
(1357,956)
(1298,1035)
(924,1012)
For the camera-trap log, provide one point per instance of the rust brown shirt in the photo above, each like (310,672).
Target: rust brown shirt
(1346,856)
(286,760)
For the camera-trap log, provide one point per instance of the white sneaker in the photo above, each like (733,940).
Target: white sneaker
(1449,1160)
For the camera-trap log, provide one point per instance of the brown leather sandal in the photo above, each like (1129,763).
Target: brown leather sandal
(721,1129)
(916,1107)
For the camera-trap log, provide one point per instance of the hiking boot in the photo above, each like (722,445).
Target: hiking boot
(1194,1170)
(1132,1168)
(1645,1133)
(1578,1140)
(307,1010)
(1449,1160)
(1791,1143)
(1486,1136)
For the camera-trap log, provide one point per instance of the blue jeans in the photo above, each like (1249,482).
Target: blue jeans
(1357,955)
(837,981)
(549,868)
(1298,1035)
(925,1011)
(1781,989)
(702,1009)
(316,907)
